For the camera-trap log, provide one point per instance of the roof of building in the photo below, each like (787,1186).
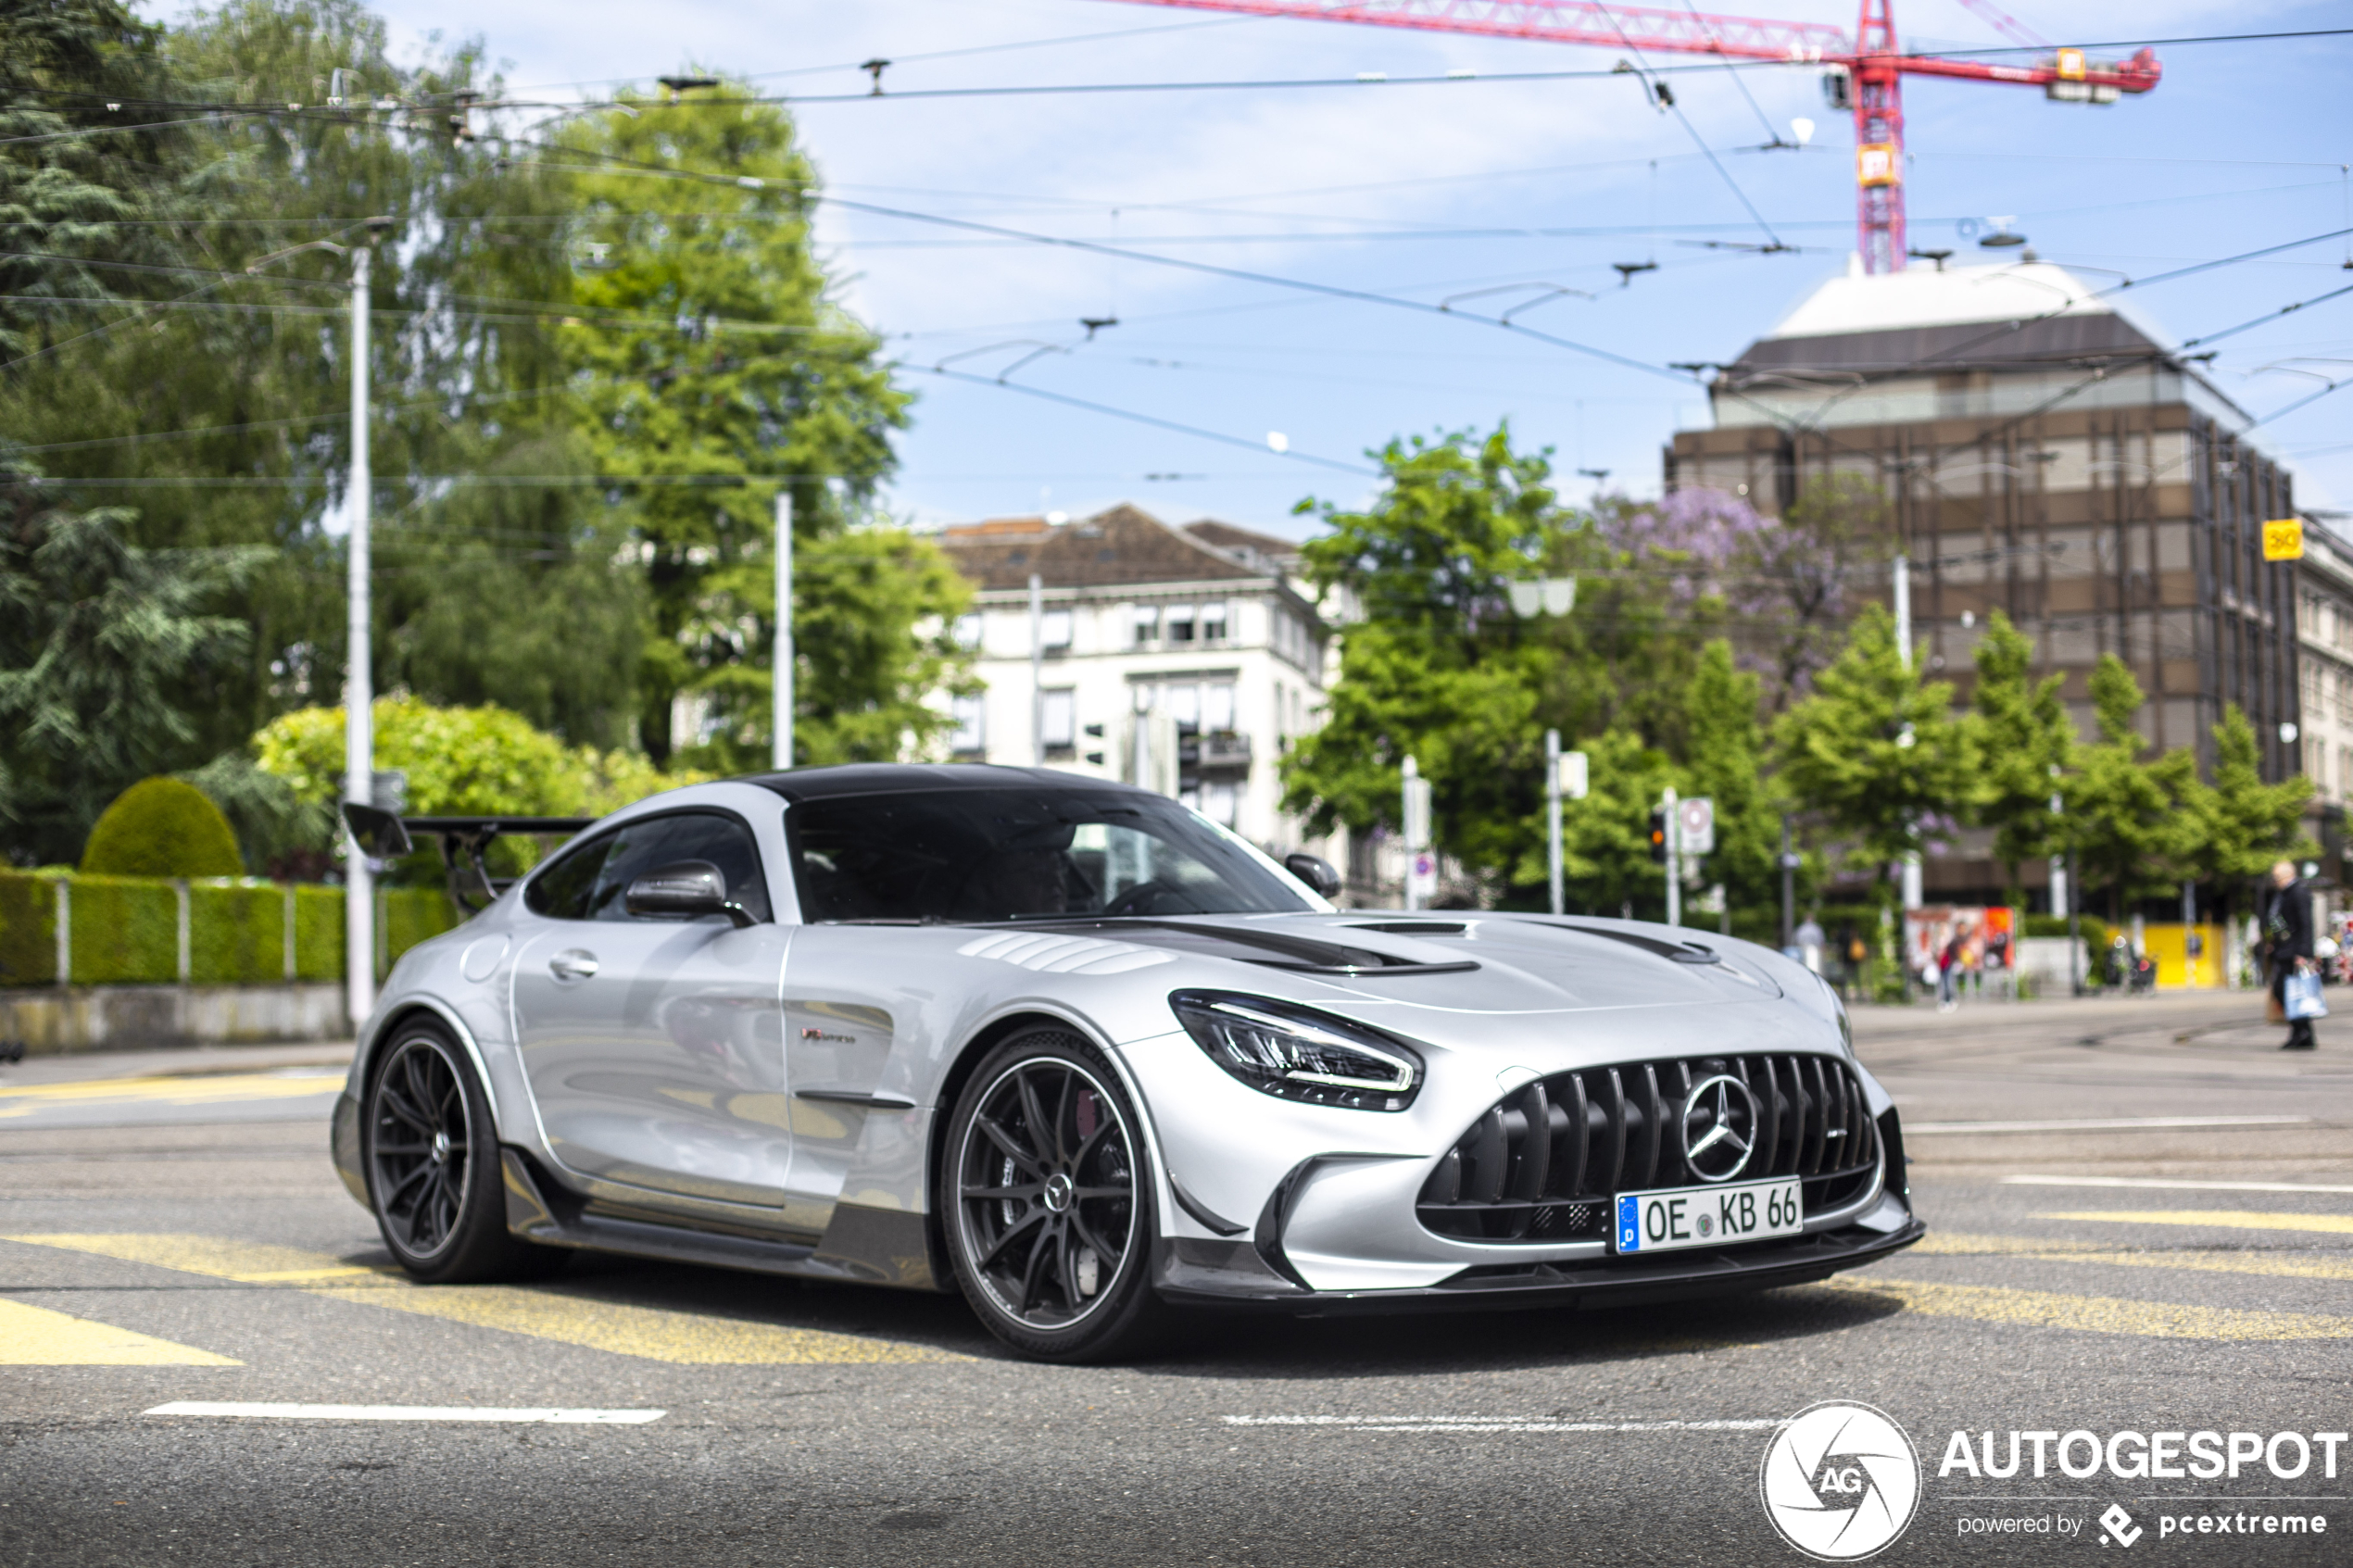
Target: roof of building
(1267,551)
(1961,317)
(1122,546)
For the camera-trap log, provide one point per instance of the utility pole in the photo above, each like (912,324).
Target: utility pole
(1674,862)
(1789,889)
(1417,815)
(781,678)
(1553,816)
(359,691)
(1037,671)
(1911,894)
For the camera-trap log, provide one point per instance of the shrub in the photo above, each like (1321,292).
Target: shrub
(317,931)
(411,915)
(161,827)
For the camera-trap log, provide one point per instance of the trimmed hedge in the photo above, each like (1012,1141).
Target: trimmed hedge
(28,930)
(125,931)
(162,827)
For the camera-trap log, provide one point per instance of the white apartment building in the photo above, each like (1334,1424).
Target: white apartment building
(1185,659)
(2324,649)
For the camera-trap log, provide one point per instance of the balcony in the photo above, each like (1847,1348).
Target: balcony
(1224,751)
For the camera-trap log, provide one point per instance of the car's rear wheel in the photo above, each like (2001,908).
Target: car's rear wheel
(1048,1200)
(431,1154)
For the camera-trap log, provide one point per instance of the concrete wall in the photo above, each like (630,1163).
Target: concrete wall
(99,1018)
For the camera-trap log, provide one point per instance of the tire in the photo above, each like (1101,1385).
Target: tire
(1046,1190)
(431,1156)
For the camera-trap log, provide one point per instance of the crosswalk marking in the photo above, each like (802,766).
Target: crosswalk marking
(252,1412)
(1950,1244)
(2224,1218)
(2095,1315)
(37,1336)
(540,1312)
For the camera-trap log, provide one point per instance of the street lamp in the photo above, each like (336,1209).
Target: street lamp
(358,736)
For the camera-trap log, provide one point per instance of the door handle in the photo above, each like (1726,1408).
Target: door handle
(573,963)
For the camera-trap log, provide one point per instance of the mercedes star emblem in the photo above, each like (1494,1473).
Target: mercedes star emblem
(1719,1128)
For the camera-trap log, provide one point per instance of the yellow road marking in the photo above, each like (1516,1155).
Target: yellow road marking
(2096,1314)
(37,1336)
(646,1332)
(251,1263)
(1944,1244)
(196,1090)
(543,1312)
(2227,1219)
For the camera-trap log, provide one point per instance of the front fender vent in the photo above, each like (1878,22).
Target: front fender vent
(1543,1164)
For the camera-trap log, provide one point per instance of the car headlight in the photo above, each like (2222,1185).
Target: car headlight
(1292,1053)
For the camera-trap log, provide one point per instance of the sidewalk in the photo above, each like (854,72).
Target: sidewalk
(99,1066)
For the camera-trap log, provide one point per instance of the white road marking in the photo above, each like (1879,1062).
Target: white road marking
(2163,1183)
(2101,1123)
(406,1412)
(1493,1424)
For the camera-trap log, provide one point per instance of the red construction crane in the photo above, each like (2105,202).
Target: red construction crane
(1864,74)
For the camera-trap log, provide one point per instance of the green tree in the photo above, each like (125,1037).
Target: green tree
(2025,742)
(161,827)
(1876,751)
(1723,760)
(1437,668)
(713,368)
(96,637)
(2238,825)
(2126,819)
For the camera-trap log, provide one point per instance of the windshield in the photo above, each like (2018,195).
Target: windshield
(1016,854)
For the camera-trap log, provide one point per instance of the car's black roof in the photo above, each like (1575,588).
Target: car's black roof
(897,778)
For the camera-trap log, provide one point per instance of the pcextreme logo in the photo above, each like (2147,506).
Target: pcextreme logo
(1839,1481)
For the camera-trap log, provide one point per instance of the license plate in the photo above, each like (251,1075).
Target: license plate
(1680,1217)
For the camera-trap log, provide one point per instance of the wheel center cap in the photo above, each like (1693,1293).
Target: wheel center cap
(441,1149)
(1058,1192)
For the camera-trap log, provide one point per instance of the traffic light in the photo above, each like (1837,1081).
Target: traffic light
(1658,835)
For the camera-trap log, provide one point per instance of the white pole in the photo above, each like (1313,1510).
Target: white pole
(359,694)
(1417,831)
(1553,816)
(1912,894)
(781,677)
(1674,862)
(1037,671)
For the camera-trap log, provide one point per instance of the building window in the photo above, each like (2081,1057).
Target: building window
(968,631)
(1220,802)
(1180,623)
(971,734)
(1183,702)
(1058,719)
(1217,709)
(1213,623)
(1053,631)
(1147,624)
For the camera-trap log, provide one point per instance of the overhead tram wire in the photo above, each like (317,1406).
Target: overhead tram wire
(1774,245)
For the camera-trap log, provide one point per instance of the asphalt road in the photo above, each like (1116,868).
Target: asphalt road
(2142,1223)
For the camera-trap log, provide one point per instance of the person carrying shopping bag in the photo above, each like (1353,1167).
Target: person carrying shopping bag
(2287,929)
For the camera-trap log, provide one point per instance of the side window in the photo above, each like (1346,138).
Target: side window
(561,891)
(661,841)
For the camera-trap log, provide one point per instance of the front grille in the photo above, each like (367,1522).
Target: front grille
(1543,1164)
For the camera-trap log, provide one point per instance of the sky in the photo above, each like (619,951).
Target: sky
(1431,192)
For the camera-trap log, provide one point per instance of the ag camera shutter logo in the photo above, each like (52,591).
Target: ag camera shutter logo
(1840,1481)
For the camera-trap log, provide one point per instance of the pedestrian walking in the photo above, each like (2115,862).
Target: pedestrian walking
(1948,969)
(1810,942)
(2288,948)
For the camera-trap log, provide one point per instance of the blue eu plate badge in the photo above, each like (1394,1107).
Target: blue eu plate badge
(1629,1223)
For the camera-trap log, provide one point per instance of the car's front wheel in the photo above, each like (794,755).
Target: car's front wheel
(430,1153)
(1048,1202)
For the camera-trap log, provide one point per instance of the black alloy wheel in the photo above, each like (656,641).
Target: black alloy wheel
(431,1154)
(1051,1211)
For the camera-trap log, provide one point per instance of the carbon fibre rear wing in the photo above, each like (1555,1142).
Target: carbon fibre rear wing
(463,842)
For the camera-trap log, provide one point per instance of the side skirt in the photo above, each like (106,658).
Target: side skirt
(861,1246)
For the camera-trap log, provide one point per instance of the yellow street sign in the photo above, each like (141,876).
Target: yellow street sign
(2284,539)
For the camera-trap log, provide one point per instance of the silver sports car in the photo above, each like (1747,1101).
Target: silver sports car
(1091,1060)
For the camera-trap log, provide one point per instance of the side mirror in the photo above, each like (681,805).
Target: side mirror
(378,832)
(687,890)
(1316,872)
